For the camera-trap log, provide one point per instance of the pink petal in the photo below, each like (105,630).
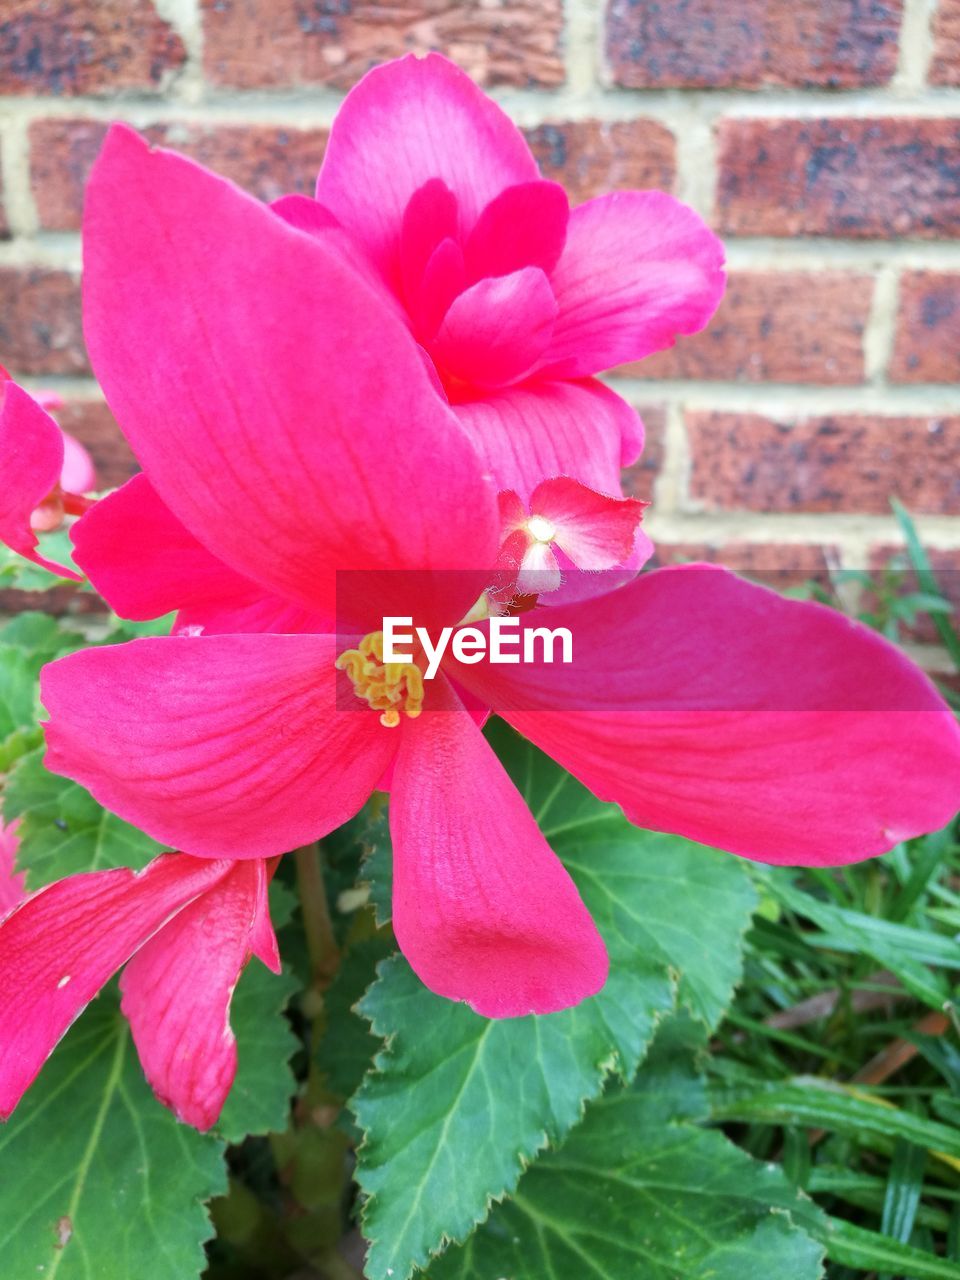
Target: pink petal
(496,330)
(77,475)
(406,122)
(539,570)
(145,563)
(31,459)
(444,277)
(63,943)
(230,746)
(714,708)
(284,406)
(177,991)
(11,883)
(482,908)
(639,268)
(524,226)
(431,217)
(531,432)
(595,531)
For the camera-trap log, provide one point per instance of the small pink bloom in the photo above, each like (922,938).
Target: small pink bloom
(11,882)
(183,927)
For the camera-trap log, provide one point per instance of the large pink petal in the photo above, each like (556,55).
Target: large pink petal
(145,563)
(407,122)
(532,432)
(229,746)
(495,331)
(639,269)
(11,882)
(525,226)
(715,708)
(31,459)
(177,991)
(284,413)
(62,944)
(482,908)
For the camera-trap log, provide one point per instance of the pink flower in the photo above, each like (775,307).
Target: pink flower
(183,927)
(299,463)
(11,882)
(45,473)
(517,299)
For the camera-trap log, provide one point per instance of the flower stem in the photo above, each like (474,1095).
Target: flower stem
(317,924)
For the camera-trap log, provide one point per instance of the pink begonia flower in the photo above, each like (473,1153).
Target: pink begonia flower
(183,927)
(289,429)
(45,473)
(518,299)
(11,881)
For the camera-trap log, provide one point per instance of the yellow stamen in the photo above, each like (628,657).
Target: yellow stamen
(385,687)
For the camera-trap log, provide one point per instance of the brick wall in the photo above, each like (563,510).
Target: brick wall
(820,137)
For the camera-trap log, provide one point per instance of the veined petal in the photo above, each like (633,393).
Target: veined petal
(496,329)
(406,122)
(285,414)
(482,908)
(595,531)
(639,268)
(31,459)
(177,991)
(714,708)
(62,943)
(231,746)
(531,432)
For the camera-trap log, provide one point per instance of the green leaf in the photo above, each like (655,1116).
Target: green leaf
(100,1182)
(638,1190)
(259,1101)
(23,575)
(457,1105)
(63,830)
(348,1046)
(868,1251)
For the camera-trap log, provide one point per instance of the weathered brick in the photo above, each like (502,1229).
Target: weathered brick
(927,347)
(744,461)
(945,67)
(40,327)
(789,326)
(840,177)
(775,564)
(590,157)
(836,44)
(96,428)
(268,160)
(270,43)
(638,480)
(85,47)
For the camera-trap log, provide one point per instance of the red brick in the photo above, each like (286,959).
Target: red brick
(784,326)
(835,44)
(638,480)
(267,160)
(840,177)
(945,67)
(275,43)
(927,347)
(744,461)
(85,47)
(95,427)
(40,328)
(775,564)
(590,157)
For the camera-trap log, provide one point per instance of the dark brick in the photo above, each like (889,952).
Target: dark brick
(285,43)
(639,480)
(881,178)
(789,326)
(774,564)
(945,67)
(268,160)
(92,423)
(744,461)
(834,44)
(927,347)
(591,158)
(64,47)
(40,326)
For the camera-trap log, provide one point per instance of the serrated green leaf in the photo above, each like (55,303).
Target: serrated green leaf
(259,1101)
(63,830)
(457,1104)
(97,1180)
(348,1045)
(637,1190)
